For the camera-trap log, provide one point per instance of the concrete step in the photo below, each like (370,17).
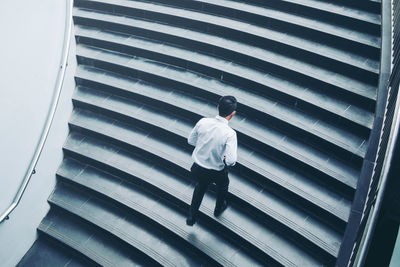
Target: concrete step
(139,192)
(243,189)
(313,15)
(290,36)
(294,70)
(267,111)
(328,108)
(256,131)
(100,247)
(344,12)
(256,237)
(140,233)
(49,252)
(260,165)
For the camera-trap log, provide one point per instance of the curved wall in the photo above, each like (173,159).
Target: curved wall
(32,41)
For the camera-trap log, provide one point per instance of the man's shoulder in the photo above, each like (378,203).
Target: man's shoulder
(231,131)
(206,120)
(227,129)
(214,121)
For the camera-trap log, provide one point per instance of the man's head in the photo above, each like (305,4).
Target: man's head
(227,106)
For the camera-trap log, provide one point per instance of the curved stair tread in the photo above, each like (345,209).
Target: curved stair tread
(302,21)
(221,66)
(164,183)
(135,111)
(308,189)
(312,72)
(295,118)
(126,227)
(61,255)
(337,9)
(179,157)
(175,221)
(248,28)
(102,249)
(279,174)
(189,104)
(248,127)
(252,101)
(331,7)
(180,153)
(209,243)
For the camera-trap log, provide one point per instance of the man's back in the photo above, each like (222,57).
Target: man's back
(213,140)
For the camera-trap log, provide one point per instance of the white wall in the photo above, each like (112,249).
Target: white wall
(32,35)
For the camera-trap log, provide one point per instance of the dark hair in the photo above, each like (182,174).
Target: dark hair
(226,105)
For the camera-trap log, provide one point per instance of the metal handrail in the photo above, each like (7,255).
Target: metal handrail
(50,115)
(392,141)
(350,240)
(382,184)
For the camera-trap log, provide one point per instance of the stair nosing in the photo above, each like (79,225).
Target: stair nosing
(189,12)
(260,171)
(202,209)
(121,235)
(273,86)
(74,245)
(216,91)
(303,232)
(303,3)
(126,202)
(281,118)
(299,70)
(375,22)
(285,150)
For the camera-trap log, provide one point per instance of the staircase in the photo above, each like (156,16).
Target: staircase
(305,74)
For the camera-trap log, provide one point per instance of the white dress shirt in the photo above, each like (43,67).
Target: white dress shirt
(213,140)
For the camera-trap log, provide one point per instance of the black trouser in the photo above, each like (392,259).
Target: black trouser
(204,178)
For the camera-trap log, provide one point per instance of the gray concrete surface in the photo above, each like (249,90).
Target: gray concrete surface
(395,261)
(32,34)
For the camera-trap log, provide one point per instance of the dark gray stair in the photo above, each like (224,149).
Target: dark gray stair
(259,58)
(104,102)
(273,40)
(240,189)
(126,225)
(305,74)
(100,247)
(347,12)
(346,109)
(259,132)
(336,22)
(227,71)
(303,187)
(173,222)
(281,115)
(48,252)
(249,230)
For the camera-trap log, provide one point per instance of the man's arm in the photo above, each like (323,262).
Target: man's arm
(192,139)
(231,150)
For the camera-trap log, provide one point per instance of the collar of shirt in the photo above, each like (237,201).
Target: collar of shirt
(221,119)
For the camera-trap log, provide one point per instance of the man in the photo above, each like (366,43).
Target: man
(215,149)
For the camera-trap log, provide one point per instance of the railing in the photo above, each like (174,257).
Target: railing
(50,115)
(373,178)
